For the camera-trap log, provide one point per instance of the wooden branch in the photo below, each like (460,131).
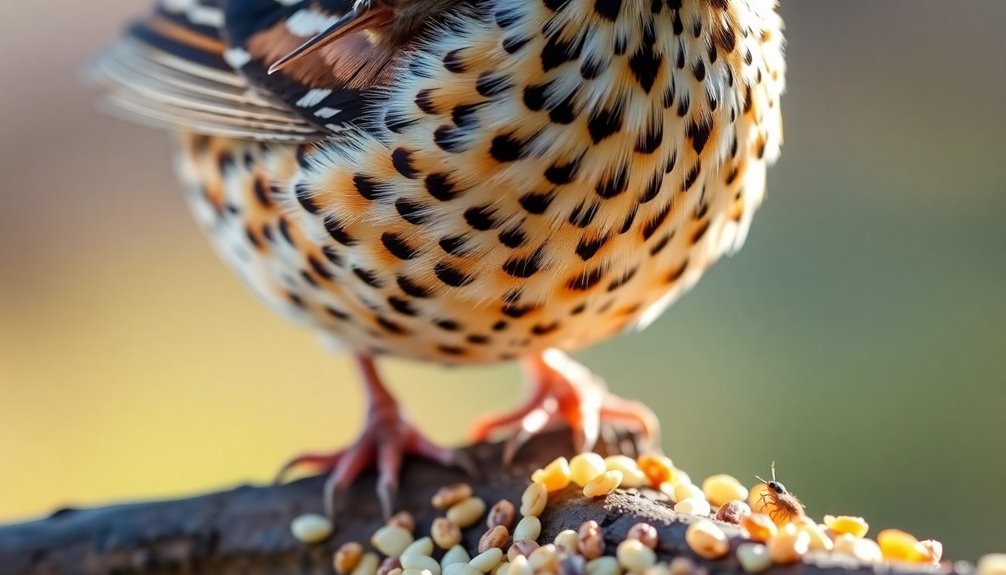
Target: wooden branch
(246,530)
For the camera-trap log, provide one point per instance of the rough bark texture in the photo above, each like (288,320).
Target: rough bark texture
(246,530)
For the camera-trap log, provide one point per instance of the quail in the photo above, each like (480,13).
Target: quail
(464,181)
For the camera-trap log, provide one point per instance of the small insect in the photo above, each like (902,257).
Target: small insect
(782,505)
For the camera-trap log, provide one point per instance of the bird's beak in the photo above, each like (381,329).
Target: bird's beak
(365,14)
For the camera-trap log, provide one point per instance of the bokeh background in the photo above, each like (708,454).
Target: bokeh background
(859,340)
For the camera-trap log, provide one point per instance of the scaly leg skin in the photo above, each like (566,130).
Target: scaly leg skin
(386,437)
(564,390)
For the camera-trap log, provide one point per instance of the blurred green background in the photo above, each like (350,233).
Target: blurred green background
(859,340)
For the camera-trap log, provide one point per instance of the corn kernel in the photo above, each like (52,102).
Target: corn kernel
(707,539)
(391,540)
(554,476)
(693,506)
(603,484)
(897,545)
(585,467)
(533,501)
(311,528)
(632,475)
(855,526)
(753,557)
(759,527)
(634,556)
(656,467)
(721,489)
(992,564)
(467,512)
(789,546)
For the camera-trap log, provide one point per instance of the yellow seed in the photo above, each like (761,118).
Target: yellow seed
(421,562)
(656,467)
(753,557)
(533,501)
(391,540)
(311,528)
(451,495)
(855,526)
(605,565)
(544,558)
(555,476)
(467,513)
(688,491)
(632,475)
(585,467)
(421,546)
(693,506)
(897,545)
(567,541)
(347,557)
(992,564)
(368,564)
(789,546)
(528,528)
(519,566)
(658,569)
(456,554)
(603,484)
(634,556)
(445,533)
(487,561)
(707,539)
(721,489)
(396,571)
(759,527)
(865,550)
(819,540)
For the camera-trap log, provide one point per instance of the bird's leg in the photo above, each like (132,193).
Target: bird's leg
(564,390)
(386,437)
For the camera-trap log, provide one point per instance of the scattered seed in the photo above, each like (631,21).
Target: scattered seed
(753,557)
(456,554)
(707,539)
(521,548)
(519,566)
(657,468)
(572,564)
(555,475)
(933,550)
(405,520)
(487,560)
(567,541)
(466,513)
(603,484)
(733,512)
(682,566)
(398,571)
(461,569)
(415,572)
(420,562)
(544,559)
(759,527)
(992,564)
(389,565)
(496,537)
(391,540)
(658,569)
(819,540)
(603,566)
(527,528)
(445,533)
(503,513)
(347,557)
(693,506)
(855,526)
(688,491)
(421,546)
(789,546)
(645,533)
(865,550)
(447,497)
(634,556)
(367,565)
(311,528)
(585,467)
(632,475)
(721,489)
(896,545)
(533,501)
(591,542)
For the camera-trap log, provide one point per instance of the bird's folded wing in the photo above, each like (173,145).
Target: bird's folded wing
(171,70)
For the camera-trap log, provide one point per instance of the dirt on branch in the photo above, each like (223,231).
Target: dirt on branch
(246,530)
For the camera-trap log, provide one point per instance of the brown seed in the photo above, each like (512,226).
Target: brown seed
(503,513)
(495,537)
(403,519)
(683,566)
(522,548)
(591,542)
(347,557)
(451,494)
(645,533)
(733,512)
(388,565)
(445,533)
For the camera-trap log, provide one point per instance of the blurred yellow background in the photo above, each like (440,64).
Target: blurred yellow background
(859,340)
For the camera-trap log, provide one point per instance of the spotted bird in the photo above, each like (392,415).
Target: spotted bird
(464,181)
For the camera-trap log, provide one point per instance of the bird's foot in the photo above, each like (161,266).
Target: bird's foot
(564,390)
(386,438)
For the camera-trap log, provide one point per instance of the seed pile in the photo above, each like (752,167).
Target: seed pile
(774,529)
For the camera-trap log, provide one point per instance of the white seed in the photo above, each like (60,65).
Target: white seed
(311,528)
(485,562)
(865,550)
(605,565)
(707,539)
(391,540)
(634,556)
(527,528)
(585,467)
(658,569)
(520,566)
(693,506)
(461,569)
(368,564)
(501,569)
(544,558)
(992,564)
(456,554)
(421,562)
(688,491)
(421,546)
(416,572)
(603,484)
(632,475)
(467,513)
(533,501)
(567,541)
(396,571)
(753,557)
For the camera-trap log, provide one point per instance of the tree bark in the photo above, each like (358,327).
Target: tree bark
(247,529)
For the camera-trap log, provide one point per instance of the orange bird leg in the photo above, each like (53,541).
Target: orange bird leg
(386,438)
(564,390)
